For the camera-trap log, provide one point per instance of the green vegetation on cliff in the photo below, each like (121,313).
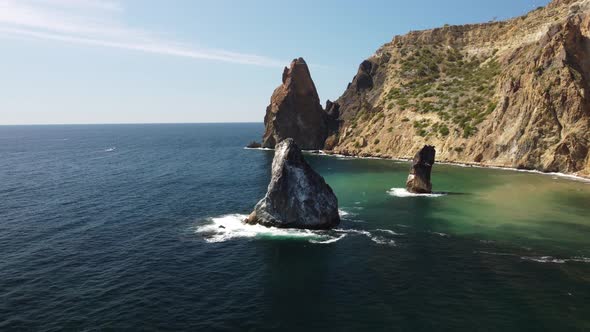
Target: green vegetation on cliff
(458,88)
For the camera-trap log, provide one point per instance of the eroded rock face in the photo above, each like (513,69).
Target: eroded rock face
(419,179)
(295,111)
(297,196)
(529,105)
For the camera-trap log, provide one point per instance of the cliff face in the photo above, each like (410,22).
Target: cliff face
(295,111)
(513,93)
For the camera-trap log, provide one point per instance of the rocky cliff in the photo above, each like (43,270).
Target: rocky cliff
(512,93)
(295,111)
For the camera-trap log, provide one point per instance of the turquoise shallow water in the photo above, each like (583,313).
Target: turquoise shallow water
(117,228)
(546,212)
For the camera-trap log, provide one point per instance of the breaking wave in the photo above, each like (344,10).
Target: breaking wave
(402,192)
(227,227)
(343,213)
(111,149)
(231,226)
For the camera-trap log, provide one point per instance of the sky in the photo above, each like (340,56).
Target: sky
(177,61)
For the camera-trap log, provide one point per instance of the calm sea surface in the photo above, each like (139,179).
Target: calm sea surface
(117,227)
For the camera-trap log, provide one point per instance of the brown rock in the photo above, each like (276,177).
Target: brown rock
(295,111)
(331,142)
(530,106)
(419,179)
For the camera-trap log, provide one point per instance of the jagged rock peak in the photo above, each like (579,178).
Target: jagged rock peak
(297,196)
(297,76)
(295,110)
(419,179)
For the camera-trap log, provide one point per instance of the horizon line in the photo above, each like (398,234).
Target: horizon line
(124,123)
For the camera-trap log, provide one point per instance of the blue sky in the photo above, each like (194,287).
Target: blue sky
(147,61)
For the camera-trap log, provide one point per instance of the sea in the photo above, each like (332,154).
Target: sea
(138,227)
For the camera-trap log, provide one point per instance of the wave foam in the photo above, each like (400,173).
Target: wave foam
(377,239)
(347,215)
(332,240)
(227,227)
(231,226)
(343,213)
(110,149)
(262,149)
(383,241)
(353,231)
(402,192)
(550,259)
(388,231)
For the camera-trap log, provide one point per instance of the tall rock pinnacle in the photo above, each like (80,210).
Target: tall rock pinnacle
(419,178)
(295,111)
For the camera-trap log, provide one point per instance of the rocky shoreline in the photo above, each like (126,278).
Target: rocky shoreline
(570,176)
(482,94)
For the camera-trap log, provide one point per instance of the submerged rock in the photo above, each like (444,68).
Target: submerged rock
(419,179)
(297,196)
(295,111)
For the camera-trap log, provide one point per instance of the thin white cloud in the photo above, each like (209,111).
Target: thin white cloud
(85,4)
(98,23)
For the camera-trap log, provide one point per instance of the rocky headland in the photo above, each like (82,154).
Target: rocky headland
(514,93)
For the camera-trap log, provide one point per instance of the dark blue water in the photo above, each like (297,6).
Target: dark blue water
(105,228)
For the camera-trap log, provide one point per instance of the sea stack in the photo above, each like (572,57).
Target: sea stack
(297,196)
(295,111)
(419,178)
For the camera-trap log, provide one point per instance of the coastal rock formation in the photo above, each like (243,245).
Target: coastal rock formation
(254,145)
(295,111)
(419,179)
(297,196)
(514,93)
